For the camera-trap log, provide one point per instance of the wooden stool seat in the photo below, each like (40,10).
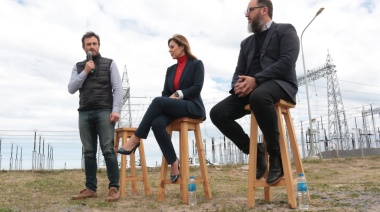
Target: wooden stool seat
(183,125)
(282,108)
(126,133)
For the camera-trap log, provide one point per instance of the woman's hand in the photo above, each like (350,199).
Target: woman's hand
(173,96)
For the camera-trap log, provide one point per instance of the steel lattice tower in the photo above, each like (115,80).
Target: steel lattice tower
(337,124)
(125,115)
(367,131)
(338,129)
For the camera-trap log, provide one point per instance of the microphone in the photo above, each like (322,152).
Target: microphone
(89,57)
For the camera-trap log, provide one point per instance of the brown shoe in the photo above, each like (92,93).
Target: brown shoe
(85,193)
(113,194)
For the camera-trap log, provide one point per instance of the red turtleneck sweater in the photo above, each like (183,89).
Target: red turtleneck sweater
(181,62)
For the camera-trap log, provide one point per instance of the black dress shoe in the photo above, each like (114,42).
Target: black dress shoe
(125,152)
(275,169)
(261,165)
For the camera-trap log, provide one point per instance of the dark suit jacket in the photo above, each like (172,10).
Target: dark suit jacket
(278,58)
(191,83)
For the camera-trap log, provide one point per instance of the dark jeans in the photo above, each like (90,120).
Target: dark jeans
(161,112)
(261,101)
(92,124)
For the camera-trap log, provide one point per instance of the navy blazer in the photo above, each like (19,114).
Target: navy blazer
(190,83)
(278,58)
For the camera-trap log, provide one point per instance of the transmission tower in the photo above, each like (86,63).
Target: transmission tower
(125,115)
(367,132)
(337,124)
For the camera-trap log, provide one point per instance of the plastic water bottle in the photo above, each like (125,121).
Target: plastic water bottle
(192,187)
(303,198)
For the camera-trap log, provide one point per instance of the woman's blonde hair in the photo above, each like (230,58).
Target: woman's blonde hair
(182,41)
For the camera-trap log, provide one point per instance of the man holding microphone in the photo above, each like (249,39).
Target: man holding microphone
(100,102)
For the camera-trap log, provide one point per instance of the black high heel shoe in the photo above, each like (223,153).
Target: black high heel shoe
(125,152)
(174,178)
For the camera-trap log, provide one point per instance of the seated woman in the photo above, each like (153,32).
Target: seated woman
(181,97)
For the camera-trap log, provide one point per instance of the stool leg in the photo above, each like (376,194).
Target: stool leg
(116,142)
(184,151)
(144,170)
(267,191)
(286,161)
(163,172)
(123,168)
(132,163)
(202,161)
(252,162)
(161,186)
(181,165)
(293,143)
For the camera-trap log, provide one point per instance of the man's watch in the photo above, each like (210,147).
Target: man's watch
(176,94)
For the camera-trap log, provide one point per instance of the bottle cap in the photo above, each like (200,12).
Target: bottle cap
(301,175)
(191,176)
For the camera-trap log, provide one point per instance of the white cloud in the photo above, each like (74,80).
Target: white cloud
(40,43)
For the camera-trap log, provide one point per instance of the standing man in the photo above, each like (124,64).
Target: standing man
(265,73)
(100,101)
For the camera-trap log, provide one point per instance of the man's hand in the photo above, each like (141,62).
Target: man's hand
(90,65)
(237,86)
(114,117)
(244,86)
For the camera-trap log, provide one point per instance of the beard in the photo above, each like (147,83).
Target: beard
(256,26)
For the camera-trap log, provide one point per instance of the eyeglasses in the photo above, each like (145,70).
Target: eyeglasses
(249,10)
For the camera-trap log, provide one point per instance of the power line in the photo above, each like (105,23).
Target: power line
(359,83)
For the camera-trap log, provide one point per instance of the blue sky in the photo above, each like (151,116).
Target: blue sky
(40,43)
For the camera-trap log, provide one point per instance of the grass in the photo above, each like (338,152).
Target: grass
(350,184)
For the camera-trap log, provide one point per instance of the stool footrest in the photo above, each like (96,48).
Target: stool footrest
(263,183)
(136,178)
(179,181)
(168,181)
(199,180)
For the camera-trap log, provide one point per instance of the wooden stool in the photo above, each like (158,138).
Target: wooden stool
(183,125)
(282,108)
(126,133)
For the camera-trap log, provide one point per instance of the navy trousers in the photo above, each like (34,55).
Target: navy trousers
(161,112)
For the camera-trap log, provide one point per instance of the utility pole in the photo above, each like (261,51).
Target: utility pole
(312,151)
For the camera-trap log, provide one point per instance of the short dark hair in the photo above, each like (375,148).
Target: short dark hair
(267,3)
(89,35)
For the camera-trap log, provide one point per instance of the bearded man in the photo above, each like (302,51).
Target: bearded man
(265,73)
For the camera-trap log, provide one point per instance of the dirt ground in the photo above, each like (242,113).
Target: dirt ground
(350,184)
